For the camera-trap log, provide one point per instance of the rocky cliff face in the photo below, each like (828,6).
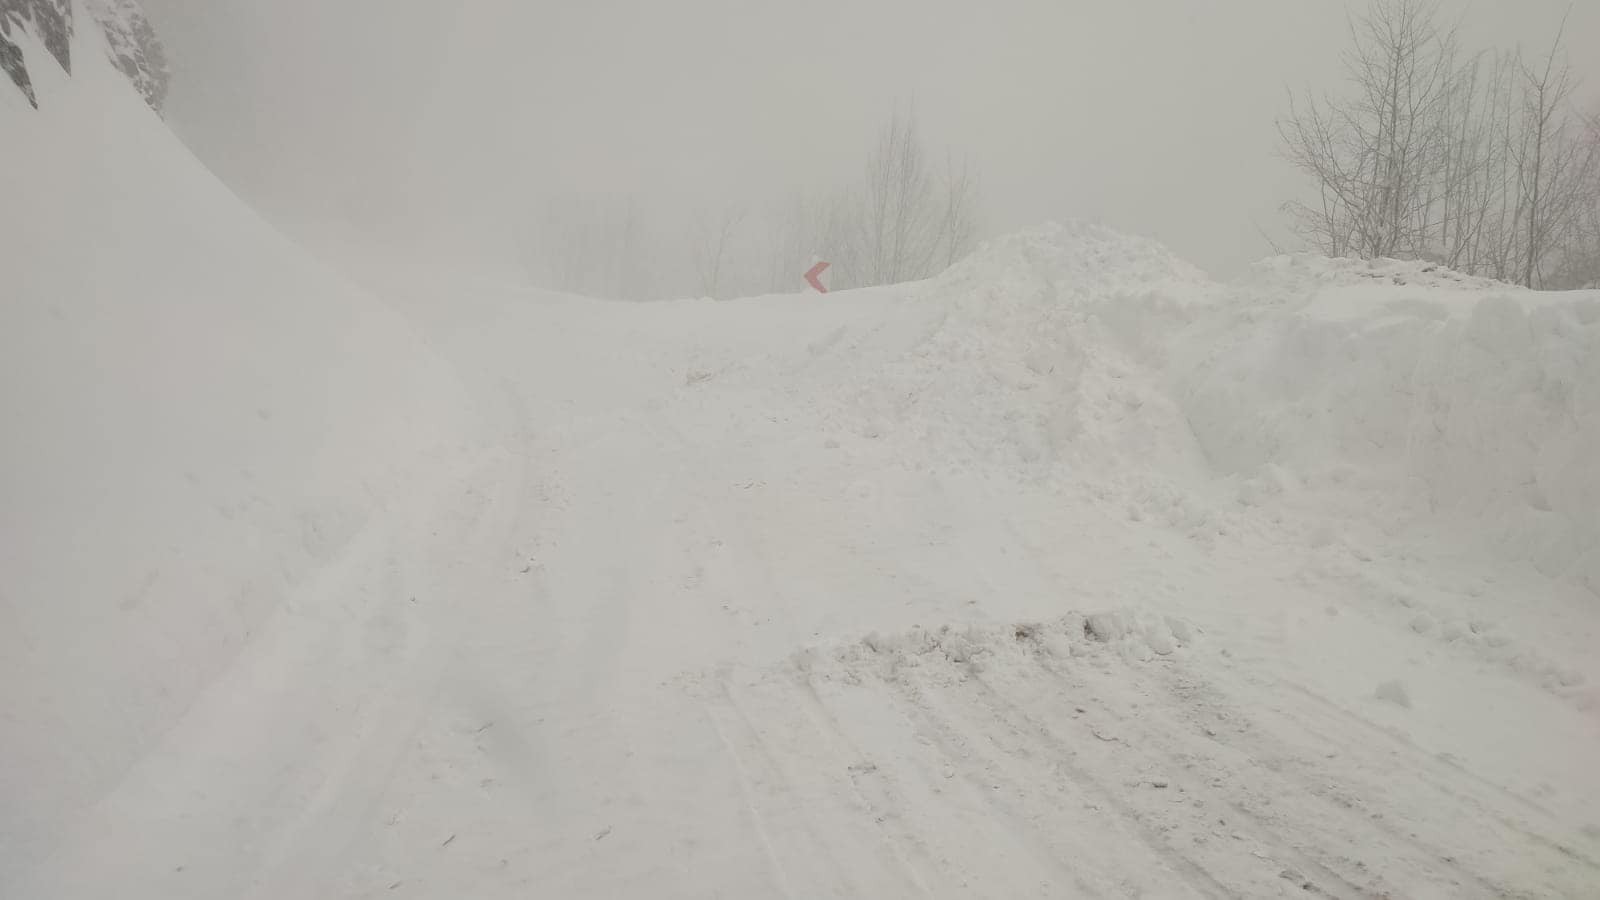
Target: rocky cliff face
(131,42)
(50,21)
(134,47)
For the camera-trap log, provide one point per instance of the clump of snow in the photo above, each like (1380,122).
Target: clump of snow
(1016,375)
(1393,692)
(1134,635)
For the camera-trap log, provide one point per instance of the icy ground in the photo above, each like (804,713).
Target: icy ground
(1070,573)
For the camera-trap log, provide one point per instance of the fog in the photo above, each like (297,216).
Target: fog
(456,126)
(464,494)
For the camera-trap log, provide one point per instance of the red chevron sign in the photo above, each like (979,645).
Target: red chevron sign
(814,277)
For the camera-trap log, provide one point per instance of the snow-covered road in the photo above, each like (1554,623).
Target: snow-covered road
(931,591)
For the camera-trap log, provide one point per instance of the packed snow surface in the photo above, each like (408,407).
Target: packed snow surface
(1071,572)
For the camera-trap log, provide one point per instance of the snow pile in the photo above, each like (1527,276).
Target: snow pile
(1476,410)
(1067,262)
(1400,395)
(197,418)
(1017,377)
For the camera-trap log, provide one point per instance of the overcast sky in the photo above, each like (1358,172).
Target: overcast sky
(1152,115)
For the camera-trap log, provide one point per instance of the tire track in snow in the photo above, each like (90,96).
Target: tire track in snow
(1422,771)
(802,790)
(752,805)
(1152,742)
(1094,771)
(1011,795)
(1009,762)
(1291,771)
(1033,739)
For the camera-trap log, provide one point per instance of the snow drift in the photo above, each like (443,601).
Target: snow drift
(1448,404)
(1404,395)
(196,416)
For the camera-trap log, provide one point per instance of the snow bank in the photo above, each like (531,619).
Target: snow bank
(196,417)
(1017,375)
(1402,394)
(1463,405)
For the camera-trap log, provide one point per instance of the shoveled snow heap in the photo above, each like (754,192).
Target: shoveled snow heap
(1438,404)
(1408,396)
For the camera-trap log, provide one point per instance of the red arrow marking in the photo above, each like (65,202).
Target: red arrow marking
(813,277)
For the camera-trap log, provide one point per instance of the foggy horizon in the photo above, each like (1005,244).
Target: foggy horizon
(453,128)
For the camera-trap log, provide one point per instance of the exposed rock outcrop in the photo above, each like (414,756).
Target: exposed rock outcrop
(132,44)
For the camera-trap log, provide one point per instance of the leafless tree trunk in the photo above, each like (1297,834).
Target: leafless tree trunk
(1578,259)
(899,215)
(958,227)
(593,246)
(1557,166)
(811,227)
(908,221)
(711,240)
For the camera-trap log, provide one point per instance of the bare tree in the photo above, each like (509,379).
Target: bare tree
(808,227)
(1556,162)
(907,221)
(595,246)
(711,247)
(1469,153)
(958,227)
(785,244)
(1578,262)
(901,220)
(898,217)
(1376,157)
(1481,165)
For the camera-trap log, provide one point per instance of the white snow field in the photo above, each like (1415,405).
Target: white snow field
(1069,573)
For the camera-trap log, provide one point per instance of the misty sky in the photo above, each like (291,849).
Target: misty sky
(1152,115)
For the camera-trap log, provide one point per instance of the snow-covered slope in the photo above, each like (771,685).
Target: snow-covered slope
(197,418)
